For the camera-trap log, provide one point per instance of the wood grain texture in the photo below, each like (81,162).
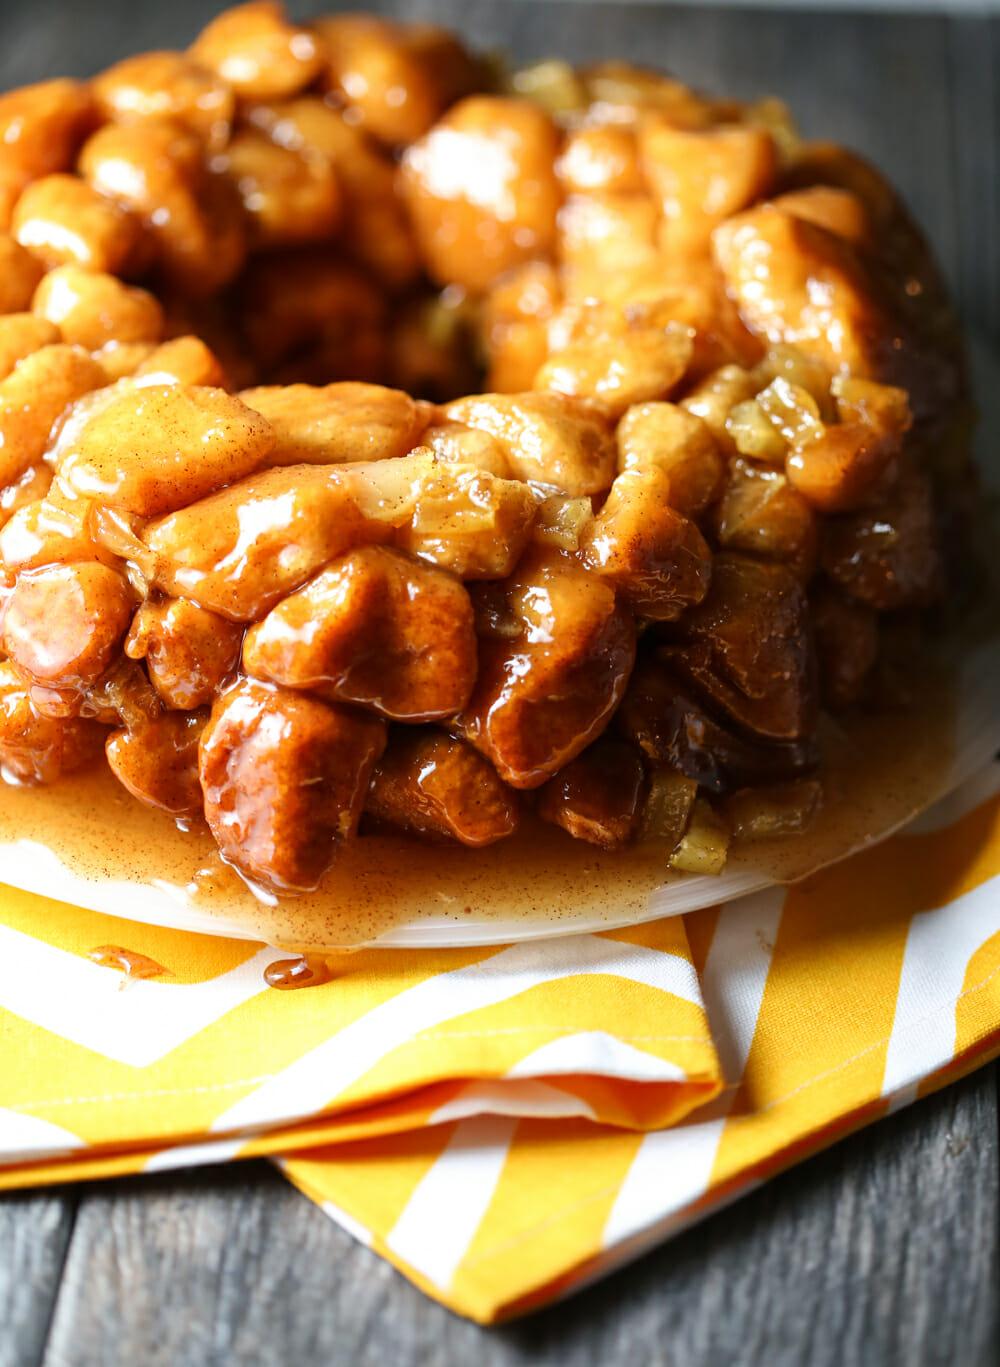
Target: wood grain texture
(35,1230)
(882,1251)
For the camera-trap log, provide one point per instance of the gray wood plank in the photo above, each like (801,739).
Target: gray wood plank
(35,1231)
(234,1266)
(880,1251)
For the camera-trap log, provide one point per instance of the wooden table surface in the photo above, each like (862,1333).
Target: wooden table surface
(881,1251)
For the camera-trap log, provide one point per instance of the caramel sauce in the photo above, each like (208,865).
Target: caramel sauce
(128,961)
(306,970)
(879,771)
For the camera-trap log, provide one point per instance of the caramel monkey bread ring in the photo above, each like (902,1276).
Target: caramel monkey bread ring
(389,439)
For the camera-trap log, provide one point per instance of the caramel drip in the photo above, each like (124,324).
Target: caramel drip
(307,970)
(127,961)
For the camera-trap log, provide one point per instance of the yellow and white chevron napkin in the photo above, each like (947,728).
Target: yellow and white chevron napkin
(507,1123)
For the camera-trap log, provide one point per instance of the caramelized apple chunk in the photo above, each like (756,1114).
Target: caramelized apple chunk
(555,656)
(882,407)
(468,521)
(598,796)
(436,785)
(715,396)
(760,512)
(704,846)
(459,517)
(780,810)
(374,628)
(122,697)
(846,465)
(561,522)
(457,444)
(284,778)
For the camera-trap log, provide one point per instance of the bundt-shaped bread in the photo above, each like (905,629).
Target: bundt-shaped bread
(386,438)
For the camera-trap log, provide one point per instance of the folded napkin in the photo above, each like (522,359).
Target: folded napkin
(505,1124)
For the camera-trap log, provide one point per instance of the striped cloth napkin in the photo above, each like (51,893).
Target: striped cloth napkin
(506,1124)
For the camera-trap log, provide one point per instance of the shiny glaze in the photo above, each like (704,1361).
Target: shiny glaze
(243,549)
(554,661)
(611,240)
(284,778)
(377,629)
(881,769)
(482,191)
(748,648)
(440,787)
